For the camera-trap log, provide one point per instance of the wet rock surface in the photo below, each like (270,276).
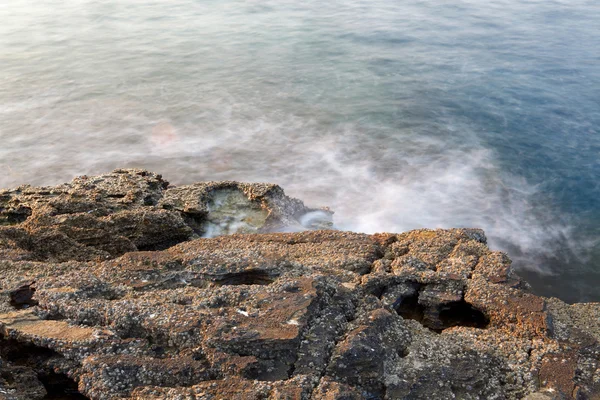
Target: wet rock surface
(106,216)
(109,291)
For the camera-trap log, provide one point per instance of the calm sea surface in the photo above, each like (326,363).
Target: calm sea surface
(397,114)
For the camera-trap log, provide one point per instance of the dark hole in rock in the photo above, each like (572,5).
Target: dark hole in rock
(270,370)
(403,352)
(25,354)
(60,387)
(55,316)
(23,297)
(251,277)
(14,217)
(158,351)
(198,355)
(149,201)
(7,377)
(461,313)
(378,291)
(195,221)
(163,245)
(409,308)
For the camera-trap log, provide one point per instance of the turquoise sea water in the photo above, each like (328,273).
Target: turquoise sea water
(397,114)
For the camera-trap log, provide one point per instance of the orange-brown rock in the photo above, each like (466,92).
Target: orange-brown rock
(107,291)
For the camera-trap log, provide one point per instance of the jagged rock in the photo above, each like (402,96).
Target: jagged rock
(129,210)
(307,315)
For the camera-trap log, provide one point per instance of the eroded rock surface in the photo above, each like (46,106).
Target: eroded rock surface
(427,314)
(131,210)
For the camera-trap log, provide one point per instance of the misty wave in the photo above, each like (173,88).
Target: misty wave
(376,179)
(382,184)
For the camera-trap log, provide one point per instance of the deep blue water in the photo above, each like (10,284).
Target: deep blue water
(397,114)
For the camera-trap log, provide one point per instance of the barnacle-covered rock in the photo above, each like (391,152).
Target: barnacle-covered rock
(107,291)
(128,210)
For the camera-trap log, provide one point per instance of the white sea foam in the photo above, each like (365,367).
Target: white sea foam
(394,182)
(415,183)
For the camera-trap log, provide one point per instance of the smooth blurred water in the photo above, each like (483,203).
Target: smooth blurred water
(397,114)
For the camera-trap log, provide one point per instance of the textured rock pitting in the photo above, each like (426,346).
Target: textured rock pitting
(135,210)
(307,315)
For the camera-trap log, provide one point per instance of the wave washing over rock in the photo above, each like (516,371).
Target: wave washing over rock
(112,288)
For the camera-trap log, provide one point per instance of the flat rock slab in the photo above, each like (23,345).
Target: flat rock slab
(26,324)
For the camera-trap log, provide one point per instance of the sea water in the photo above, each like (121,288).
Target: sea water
(397,114)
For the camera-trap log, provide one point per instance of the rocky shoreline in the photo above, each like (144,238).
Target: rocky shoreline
(113,287)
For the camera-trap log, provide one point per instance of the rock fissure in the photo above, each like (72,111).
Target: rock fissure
(22,297)
(60,387)
(38,365)
(248,277)
(461,313)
